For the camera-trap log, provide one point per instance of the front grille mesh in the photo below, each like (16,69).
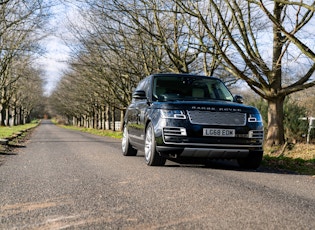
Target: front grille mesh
(217,118)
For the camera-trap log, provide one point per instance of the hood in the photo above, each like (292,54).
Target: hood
(214,106)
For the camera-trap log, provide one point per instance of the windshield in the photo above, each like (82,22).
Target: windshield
(189,88)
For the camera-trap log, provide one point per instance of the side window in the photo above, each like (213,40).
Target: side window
(147,86)
(144,85)
(157,89)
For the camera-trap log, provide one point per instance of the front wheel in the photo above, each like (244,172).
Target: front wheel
(152,157)
(252,161)
(127,149)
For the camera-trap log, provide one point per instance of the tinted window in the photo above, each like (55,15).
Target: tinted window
(189,88)
(144,85)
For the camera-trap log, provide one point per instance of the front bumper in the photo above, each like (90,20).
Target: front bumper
(176,152)
(210,151)
(176,142)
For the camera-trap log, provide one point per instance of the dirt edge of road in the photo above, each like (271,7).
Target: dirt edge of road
(14,144)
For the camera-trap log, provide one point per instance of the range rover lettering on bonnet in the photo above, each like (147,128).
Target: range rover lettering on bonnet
(203,108)
(229,110)
(216,109)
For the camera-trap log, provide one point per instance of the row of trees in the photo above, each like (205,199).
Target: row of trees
(20,82)
(269,45)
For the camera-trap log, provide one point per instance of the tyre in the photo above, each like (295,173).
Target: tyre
(152,157)
(127,149)
(252,161)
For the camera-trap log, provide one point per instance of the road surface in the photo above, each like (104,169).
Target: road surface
(66,179)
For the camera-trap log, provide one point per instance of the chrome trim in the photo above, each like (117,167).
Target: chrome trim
(137,137)
(174,131)
(213,145)
(258,134)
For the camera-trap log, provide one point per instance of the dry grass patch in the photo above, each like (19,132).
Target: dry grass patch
(299,158)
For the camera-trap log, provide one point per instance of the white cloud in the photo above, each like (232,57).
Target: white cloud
(54,61)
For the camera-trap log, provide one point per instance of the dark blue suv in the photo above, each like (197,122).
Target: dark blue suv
(182,117)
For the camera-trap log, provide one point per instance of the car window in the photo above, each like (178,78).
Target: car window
(189,88)
(144,85)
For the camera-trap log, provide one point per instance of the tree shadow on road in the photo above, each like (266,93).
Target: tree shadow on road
(7,153)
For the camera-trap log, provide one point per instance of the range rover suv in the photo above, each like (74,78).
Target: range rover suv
(183,116)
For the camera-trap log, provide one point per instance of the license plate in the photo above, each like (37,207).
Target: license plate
(219,132)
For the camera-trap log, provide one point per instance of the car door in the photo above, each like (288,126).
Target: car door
(137,111)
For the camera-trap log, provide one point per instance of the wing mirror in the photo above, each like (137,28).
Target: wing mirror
(139,94)
(239,99)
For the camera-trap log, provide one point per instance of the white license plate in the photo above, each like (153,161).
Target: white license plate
(219,132)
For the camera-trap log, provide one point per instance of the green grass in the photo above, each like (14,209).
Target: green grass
(6,132)
(108,133)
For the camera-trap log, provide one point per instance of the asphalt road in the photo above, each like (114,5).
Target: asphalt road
(66,179)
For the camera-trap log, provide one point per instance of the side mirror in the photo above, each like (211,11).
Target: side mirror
(139,94)
(239,99)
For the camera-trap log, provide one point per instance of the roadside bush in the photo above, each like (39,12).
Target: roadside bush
(295,128)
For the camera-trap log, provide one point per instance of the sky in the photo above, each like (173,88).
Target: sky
(53,63)
(54,60)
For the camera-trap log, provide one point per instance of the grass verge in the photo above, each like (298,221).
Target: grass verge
(108,133)
(299,158)
(7,132)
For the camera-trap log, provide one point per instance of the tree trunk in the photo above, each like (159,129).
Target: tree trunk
(103,118)
(122,115)
(3,116)
(6,116)
(1,109)
(21,116)
(113,119)
(275,133)
(107,126)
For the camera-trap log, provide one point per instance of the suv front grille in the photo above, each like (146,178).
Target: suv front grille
(216,118)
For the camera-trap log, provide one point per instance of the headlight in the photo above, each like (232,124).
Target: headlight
(173,114)
(254,117)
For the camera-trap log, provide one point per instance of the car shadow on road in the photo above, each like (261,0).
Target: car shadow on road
(220,164)
(227,165)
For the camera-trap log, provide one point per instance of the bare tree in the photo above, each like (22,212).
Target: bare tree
(121,42)
(20,22)
(268,41)
(27,96)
